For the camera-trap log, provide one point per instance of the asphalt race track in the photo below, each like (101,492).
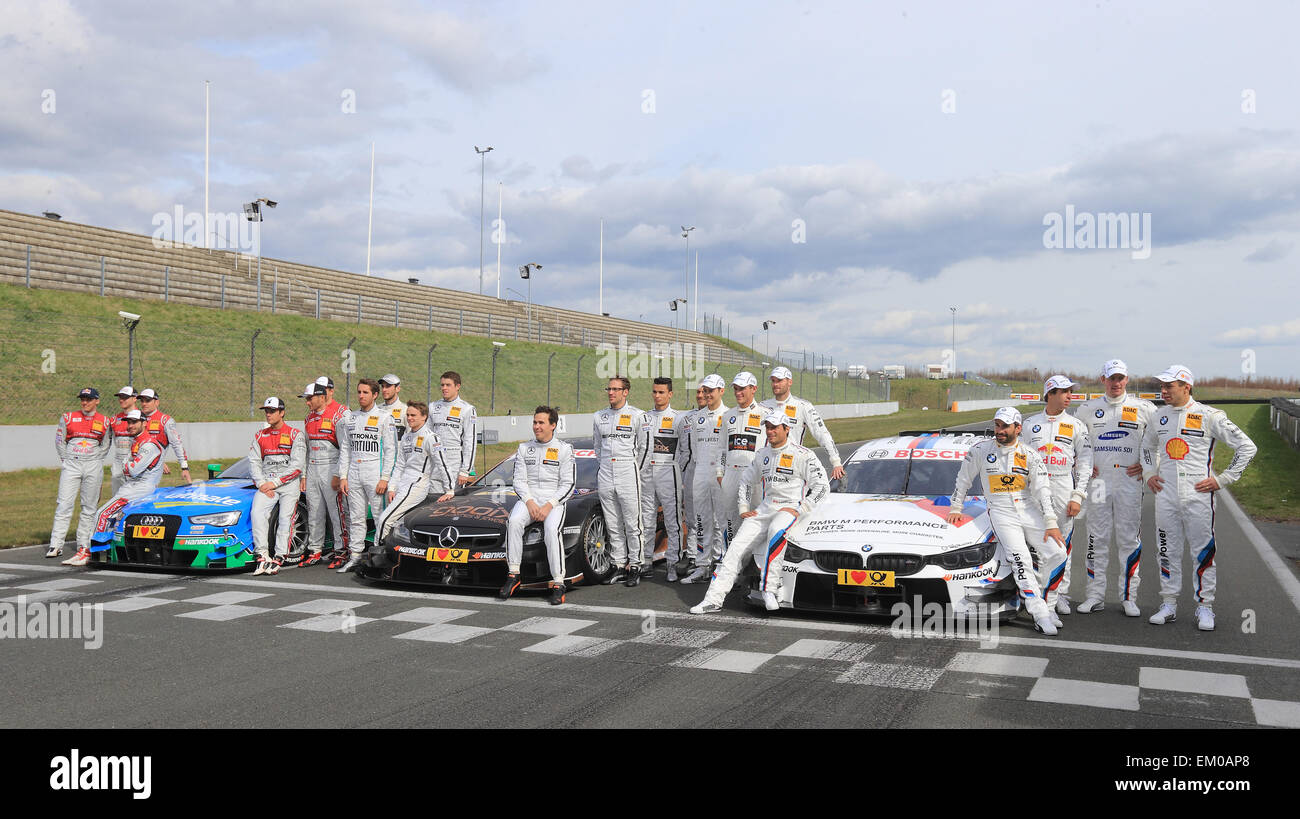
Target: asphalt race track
(211,651)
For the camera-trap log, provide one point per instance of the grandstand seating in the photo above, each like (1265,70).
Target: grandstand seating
(69,256)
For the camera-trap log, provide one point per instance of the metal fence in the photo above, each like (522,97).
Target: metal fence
(1284,415)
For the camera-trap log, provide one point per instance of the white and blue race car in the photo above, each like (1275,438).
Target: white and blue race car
(882,536)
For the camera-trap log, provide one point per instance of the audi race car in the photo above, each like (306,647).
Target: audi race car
(462,541)
(204,525)
(882,536)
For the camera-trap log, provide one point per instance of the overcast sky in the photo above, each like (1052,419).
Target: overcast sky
(853,170)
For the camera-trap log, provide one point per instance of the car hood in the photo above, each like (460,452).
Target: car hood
(478,507)
(849,522)
(190,500)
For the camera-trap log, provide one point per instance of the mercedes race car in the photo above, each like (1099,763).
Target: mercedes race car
(204,525)
(882,536)
(462,541)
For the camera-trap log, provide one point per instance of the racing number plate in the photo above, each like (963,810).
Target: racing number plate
(149,532)
(866,577)
(453,555)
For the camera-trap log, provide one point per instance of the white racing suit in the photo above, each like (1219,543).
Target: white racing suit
(1115,427)
(777,477)
(162,428)
(81,441)
(323,500)
(278,456)
(121,450)
(1179,447)
(367,454)
(455,423)
(806,419)
(544,473)
(662,482)
(706,495)
(1066,449)
(742,434)
(141,475)
(1014,482)
(622,443)
(421,471)
(396,411)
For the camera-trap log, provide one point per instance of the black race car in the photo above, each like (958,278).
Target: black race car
(462,541)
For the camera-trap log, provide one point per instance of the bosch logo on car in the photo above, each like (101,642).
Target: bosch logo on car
(1113,435)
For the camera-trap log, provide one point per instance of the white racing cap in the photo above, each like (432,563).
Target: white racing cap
(713,381)
(391,380)
(147,394)
(782,372)
(1057,382)
(126,392)
(1007,415)
(778,418)
(1114,367)
(744,378)
(314,388)
(133,415)
(273,403)
(1176,372)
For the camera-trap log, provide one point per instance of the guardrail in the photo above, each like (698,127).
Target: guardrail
(1284,416)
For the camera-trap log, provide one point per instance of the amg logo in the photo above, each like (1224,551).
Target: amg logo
(102,773)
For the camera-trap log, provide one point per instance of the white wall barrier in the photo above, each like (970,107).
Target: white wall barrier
(32,447)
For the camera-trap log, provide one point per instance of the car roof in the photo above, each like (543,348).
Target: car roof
(944,440)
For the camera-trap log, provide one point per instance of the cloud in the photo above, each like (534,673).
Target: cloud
(1270,252)
(1286,332)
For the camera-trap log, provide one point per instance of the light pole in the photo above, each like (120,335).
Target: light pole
(767,338)
(129,321)
(672,305)
(496,348)
(548,378)
(525,273)
(482,169)
(686,234)
(253,213)
(954,342)
(428,377)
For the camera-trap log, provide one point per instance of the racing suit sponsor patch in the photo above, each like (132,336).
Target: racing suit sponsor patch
(1177,448)
(999,483)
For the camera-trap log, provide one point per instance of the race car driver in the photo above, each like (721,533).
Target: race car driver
(706,492)
(389,387)
(1066,448)
(140,476)
(276,460)
(806,418)
(162,428)
(741,431)
(1116,423)
(81,440)
(1178,465)
(420,473)
(455,420)
(1014,481)
(121,441)
(325,501)
(367,454)
(686,462)
(782,481)
(622,443)
(662,479)
(545,476)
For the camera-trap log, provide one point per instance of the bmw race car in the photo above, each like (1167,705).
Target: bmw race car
(462,541)
(204,525)
(882,536)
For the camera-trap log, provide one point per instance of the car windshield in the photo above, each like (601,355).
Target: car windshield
(237,470)
(504,473)
(892,477)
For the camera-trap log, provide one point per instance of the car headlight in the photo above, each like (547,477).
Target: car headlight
(793,554)
(401,532)
(532,536)
(966,558)
(217,519)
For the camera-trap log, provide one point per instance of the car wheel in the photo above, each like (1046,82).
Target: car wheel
(298,543)
(592,551)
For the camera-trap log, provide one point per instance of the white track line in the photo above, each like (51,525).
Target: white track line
(1267,553)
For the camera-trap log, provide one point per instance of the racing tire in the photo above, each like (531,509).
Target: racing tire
(591,554)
